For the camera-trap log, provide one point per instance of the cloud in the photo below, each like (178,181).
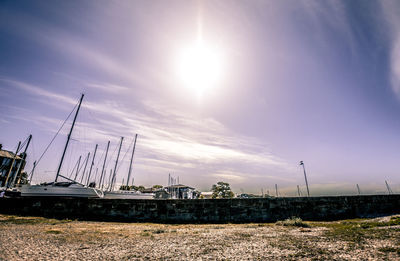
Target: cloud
(390,11)
(112,88)
(169,139)
(39,92)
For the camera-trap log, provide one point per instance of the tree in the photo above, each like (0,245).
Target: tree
(158,187)
(222,190)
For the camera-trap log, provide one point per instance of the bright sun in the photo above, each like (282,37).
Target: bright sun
(199,67)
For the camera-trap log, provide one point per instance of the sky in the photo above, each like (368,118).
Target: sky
(280,82)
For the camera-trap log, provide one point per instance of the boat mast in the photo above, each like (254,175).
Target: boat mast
(91,165)
(102,170)
(84,169)
(77,168)
(12,165)
(23,161)
(68,138)
(130,165)
(116,164)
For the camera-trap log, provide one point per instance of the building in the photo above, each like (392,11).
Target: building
(10,161)
(180,191)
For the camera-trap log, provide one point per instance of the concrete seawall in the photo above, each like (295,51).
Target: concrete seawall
(204,210)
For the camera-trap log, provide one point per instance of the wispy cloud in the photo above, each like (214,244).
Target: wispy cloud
(391,23)
(169,139)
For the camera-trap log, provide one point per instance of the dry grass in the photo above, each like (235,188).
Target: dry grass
(37,238)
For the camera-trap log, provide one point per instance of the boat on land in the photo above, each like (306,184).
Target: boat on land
(72,188)
(127,194)
(60,189)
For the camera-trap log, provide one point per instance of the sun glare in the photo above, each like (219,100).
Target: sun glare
(199,67)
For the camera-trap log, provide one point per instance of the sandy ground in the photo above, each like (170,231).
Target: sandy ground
(33,238)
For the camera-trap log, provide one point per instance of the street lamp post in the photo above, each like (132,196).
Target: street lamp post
(305,177)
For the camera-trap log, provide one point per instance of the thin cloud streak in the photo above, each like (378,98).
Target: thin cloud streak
(170,133)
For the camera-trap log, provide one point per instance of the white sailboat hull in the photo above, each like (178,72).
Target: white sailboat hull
(57,191)
(127,195)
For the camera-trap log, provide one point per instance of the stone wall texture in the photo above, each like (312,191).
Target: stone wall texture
(204,210)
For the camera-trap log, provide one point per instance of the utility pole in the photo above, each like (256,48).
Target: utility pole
(305,177)
(358,189)
(102,170)
(12,165)
(276,189)
(91,165)
(68,138)
(130,164)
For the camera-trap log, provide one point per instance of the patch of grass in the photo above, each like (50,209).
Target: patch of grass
(6,219)
(347,232)
(146,234)
(389,250)
(53,231)
(242,235)
(394,221)
(293,222)
(158,231)
(357,230)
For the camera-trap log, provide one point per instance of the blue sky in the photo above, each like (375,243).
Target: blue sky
(317,81)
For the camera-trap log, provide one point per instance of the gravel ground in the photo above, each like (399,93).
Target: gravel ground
(34,238)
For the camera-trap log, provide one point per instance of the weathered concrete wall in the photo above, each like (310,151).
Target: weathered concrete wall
(204,210)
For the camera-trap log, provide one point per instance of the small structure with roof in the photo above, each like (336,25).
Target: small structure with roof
(180,191)
(10,164)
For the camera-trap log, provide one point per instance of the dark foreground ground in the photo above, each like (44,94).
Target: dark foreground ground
(36,238)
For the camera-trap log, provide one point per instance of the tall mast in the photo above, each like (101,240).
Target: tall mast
(12,165)
(84,169)
(130,165)
(77,168)
(116,164)
(33,169)
(104,164)
(69,137)
(91,165)
(23,161)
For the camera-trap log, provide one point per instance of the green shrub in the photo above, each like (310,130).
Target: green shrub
(293,222)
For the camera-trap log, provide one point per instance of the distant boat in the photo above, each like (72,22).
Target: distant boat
(127,194)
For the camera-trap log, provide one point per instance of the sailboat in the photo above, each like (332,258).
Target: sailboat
(71,188)
(126,194)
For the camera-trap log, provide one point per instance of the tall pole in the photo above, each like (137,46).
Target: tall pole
(305,177)
(33,170)
(116,164)
(84,169)
(298,190)
(109,180)
(22,162)
(276,189)
(91,165)
(68,138)
(130,164)
(12,165)
(77,168)
(104,164)
(358,189)
(388,188)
